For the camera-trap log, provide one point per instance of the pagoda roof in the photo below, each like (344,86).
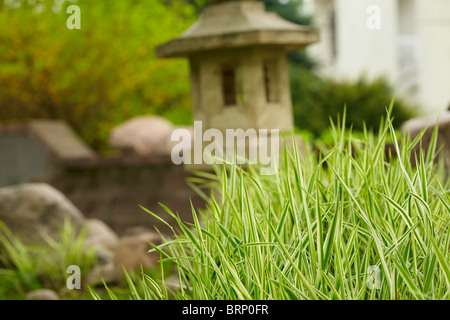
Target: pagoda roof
(232,24)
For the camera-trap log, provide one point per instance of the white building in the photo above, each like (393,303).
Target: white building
(407,41)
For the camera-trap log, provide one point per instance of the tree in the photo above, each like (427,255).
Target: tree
(95,77)
(288,9)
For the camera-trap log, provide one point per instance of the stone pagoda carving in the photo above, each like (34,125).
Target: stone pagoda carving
(238,67)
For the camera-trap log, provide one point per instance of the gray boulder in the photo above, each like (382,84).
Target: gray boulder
(102,239)
(30,210)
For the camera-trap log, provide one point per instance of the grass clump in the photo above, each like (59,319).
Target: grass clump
(25,267)
(320,228)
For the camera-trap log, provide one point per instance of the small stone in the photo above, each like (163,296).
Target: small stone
(42,294)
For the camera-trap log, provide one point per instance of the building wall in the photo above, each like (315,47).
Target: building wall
(324,50)
(360,49)
(352,49)
(434,33)
(412,48)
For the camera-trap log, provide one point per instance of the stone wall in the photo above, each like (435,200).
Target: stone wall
(112,190)
(22,159)
(108,189)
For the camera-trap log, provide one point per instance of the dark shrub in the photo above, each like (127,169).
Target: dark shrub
(316,99)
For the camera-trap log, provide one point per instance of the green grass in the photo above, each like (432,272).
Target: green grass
(43,265)
(317,228)
(28,267)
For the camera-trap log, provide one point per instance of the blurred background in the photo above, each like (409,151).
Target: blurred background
(406,41)
(106,72)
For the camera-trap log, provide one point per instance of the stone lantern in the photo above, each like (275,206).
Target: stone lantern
(238,67)
(239,75)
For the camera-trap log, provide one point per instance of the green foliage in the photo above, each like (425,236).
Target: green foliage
(316,99)
(34,266)
(198,5)
(288,10)
(317,228)
(96,77)
(107,72)
(27,267)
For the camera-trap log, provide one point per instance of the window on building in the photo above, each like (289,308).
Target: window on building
(232,85)
(271,81)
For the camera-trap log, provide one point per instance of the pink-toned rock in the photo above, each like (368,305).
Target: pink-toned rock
(42,294)
(146,135)
(187,141)
(132,252)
